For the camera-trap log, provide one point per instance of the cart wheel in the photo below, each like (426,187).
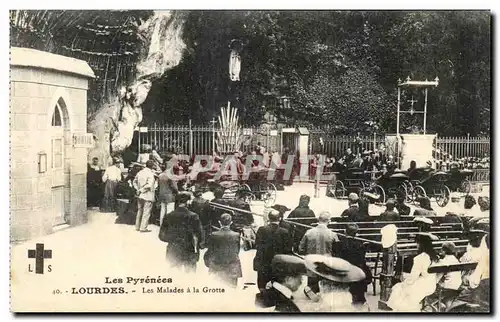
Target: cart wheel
(402,192)
(466,187)
(409,191)
(339,190)
(269,196)
(443,195)
(418,193)
(247,196)
(245,187)
(379,191)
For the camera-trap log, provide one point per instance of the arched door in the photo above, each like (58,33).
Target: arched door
(57,164)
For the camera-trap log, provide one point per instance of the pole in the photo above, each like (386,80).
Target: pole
(399,107)
(190,138)
(387,274)
(425,110)
(468,144)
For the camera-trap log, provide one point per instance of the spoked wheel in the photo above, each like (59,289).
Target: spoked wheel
(269,196)
(339,190)
(247,196)
(442,195)
(402,192)
(245,187)
(409,192)
(418,193)
(374,193)
(465,186)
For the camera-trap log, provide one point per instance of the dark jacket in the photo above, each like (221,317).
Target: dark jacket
(167,188)
(200,207)
(353,251)
(241,219)
(272,297)
(403,209)
(222,256)
(270,240)
(181,227)
(389,215)
(302,211)
(354,214)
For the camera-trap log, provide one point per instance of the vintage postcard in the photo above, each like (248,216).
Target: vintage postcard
(250,161)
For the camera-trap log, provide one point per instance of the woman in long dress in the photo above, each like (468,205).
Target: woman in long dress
(111,177)
(408,295)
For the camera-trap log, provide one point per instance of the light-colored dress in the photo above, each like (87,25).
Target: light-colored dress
(408,295)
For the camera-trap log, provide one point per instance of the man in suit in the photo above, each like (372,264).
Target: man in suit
(353,212)
(318,240)
(353,251)
(200,206)
(167,190)
(270,240)
(222,256)
(287,271)
(183,232)
(389,214)
(302,211)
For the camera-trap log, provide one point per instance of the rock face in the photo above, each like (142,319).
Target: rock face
(114,123)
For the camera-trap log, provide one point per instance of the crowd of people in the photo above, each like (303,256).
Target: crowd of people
(286,253)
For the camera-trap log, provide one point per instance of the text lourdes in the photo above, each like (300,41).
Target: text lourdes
(138,280)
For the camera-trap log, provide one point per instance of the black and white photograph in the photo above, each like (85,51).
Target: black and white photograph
(244,161)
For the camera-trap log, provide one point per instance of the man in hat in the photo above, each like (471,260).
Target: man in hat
(200,206)
(353,250)
(222,255)
(270,240)
(302,211)
(389,214)
(182,230)
(401,207)
(287,272)
(145,186)
(353,212)
(281,211)
(318,240)
(336,275)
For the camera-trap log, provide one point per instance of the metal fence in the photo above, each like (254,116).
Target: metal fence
(462,147)
(188,139)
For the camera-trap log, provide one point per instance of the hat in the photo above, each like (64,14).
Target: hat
(353,197)
(429,163)
(281,208)
(287,265)
(476,233)
(390,202)
(305,197)
(183,197)
(426,235)
(423,220)
(389,235)
(334,268)
(371,196)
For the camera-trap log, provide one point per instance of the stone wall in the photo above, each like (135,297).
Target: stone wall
(34,93)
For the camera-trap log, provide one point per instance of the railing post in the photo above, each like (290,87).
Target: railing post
(190,138)
(387,275)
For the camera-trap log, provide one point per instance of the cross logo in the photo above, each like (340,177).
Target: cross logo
(39,254)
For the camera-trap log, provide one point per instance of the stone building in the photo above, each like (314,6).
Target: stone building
(48,142)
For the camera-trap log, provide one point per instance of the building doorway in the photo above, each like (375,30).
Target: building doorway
(57,163)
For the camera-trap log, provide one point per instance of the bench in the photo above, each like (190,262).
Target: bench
(438,305)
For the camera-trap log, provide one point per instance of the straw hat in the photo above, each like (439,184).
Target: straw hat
(426,235)
(334,268)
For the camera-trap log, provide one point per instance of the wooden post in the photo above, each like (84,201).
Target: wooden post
(387,274)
